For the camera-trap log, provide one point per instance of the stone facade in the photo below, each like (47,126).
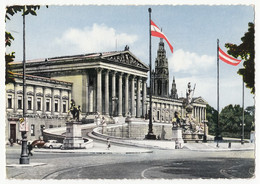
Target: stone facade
(47,102)
(112,84)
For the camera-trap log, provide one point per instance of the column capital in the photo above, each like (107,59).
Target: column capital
(120,74)
(107,71)
(113,72)
(127,75)
(144,79)
(99,69)
(133,77)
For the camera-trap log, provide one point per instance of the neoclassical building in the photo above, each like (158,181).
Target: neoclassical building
(113,84)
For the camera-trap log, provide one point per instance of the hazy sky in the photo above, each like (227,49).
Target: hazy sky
(192,31)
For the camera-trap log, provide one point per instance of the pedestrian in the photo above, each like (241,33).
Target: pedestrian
(108,144)
(11,142)
(29,146)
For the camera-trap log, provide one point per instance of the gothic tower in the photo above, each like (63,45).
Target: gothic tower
(174,89)
(161,73)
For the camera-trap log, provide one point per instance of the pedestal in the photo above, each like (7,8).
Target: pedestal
(73,139)
(177,137)
(97,121)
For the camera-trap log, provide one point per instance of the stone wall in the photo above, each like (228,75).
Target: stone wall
(37,123)
(138,130)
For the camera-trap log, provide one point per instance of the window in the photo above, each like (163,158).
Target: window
(39,104)
(50,126)
(19,102)
(64,104)
(47,104)
(158,115)
(9,101)
(56,106)
(32,130)
(29,103)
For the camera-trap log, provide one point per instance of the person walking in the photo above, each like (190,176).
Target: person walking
(29,146)
(108,144)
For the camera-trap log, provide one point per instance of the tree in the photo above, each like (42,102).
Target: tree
(212,116)
(230,120)
(246,50)
(251,111)
(10,11)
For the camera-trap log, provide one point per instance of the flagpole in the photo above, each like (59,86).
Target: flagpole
(218,136)
(243,115)
(150,134)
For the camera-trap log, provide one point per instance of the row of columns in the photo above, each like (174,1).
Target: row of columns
(134,111)
(199,113)
(34,103)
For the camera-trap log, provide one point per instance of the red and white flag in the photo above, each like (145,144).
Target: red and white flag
(155,31)
(227,59)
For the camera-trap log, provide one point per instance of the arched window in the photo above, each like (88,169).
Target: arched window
(159,87)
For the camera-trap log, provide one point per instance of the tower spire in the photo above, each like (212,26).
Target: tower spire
(161,74)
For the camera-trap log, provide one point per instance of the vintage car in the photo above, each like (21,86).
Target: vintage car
(38,143)
(53,144)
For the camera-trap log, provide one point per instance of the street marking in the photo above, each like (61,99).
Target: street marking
(223,172)
(252,171)
(150,168)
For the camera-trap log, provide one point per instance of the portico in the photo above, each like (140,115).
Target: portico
(110,83)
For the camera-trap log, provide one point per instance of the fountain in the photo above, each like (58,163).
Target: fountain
(191,129)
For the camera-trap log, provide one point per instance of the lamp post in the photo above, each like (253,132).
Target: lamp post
(205,135)
(243,116)
(146,104)
(150,134)
(24,158)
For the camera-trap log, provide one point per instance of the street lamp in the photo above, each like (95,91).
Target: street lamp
(242,133)
(24,158)
(205,136)
(146,104)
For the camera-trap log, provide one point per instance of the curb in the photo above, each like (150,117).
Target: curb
(126,143)
(26,165)
(220,150)
(95,152)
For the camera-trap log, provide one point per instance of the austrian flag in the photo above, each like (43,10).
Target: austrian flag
(155,31)
(227,59)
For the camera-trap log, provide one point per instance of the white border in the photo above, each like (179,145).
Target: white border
(121,2)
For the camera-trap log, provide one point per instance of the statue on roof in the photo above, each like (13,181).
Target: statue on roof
(189,93)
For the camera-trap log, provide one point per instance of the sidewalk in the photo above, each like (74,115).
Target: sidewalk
(221,146)
(99,148)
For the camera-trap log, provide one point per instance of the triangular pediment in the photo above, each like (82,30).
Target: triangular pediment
(125,58)
(199,100)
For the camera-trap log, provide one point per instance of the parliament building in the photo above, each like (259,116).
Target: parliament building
(113,84)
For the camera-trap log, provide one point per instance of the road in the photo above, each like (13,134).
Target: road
(167,164)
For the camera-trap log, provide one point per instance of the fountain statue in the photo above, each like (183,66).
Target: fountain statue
(73,138)
(191,128)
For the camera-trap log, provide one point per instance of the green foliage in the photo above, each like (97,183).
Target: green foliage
(246,50)
(212,116)
(230,120)
(8,59)
(10,11)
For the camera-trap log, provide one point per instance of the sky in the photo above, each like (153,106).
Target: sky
(192,30)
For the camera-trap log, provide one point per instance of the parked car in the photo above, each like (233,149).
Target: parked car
(53,144)
(38,143)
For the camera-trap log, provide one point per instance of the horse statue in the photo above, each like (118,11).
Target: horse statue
(74,110)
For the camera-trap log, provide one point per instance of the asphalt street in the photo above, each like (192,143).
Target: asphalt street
(167,164)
